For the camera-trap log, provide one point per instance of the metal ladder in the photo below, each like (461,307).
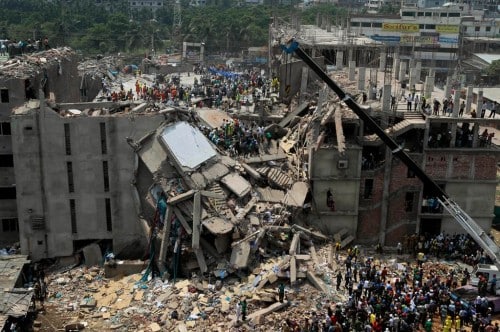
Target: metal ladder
(474,230)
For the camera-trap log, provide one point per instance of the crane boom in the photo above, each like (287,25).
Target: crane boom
(470,226)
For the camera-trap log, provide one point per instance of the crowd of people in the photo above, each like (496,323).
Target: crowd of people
(12,47)
(414,297)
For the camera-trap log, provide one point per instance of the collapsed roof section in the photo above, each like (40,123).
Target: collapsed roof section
(30,65)
(187,145)
(216,198)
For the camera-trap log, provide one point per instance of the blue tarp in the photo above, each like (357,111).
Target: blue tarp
(224,73)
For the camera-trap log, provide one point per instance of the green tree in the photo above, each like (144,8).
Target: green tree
(493,70)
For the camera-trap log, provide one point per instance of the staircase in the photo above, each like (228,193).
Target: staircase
(411,120)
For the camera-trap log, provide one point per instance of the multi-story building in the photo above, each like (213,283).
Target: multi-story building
(153,5)
(379,199)
(438,36)
(74,171)
(55,73)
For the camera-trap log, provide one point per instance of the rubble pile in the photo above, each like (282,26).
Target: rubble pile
(85,296)
(30,65)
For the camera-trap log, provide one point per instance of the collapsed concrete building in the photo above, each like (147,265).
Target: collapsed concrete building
(54,72)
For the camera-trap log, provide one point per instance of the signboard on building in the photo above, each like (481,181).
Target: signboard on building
(408,39)
(386,39)
(448,40)
(401,27)
(447,28)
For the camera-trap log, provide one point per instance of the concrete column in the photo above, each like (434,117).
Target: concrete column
(468,99)
(427,133)
(413,78)
(402,71)
(475,135)
(384,208)
(383,59)
(447,87)
(411,63)
(395,64)
(456,102)
(386,98)
(361,78)
(303,83)
(429,88)
(418,68)
(339,60)
(165,240)
(479,102)
(352,70)
(453,142)
(351,55)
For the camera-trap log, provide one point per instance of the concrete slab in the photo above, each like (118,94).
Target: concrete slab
(92,255)
(240,255)
(218,226)
(237,184)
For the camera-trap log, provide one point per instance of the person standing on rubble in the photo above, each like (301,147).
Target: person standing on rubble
(244,309)
(281,292)
(339,279)
(238,311)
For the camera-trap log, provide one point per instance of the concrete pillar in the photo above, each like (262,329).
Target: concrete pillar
(427,133)
(402,71)
(165,240)
(456,102)
(339,60)
(468,99)
(475,135)
(413,78)
(447,87)
(352,70)
(418,67)
(395,65)
(361,78)
(303,83)
(351,55)
(479,102)
(383,59)
(411,63)
(453,141)
(384,208)
(429,88)
(386,98)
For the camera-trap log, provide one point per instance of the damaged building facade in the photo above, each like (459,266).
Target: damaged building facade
(54,72)
(375,196)
(74,172)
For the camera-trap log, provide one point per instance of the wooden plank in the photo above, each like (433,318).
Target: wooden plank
(182,197)
(195,238)
(183,221)
(303,257)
